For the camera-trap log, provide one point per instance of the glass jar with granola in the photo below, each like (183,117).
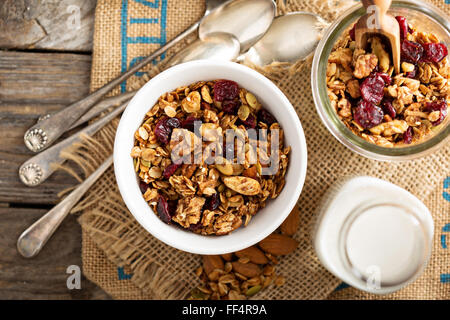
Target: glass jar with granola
(366,105)
(209,156)
(382,107)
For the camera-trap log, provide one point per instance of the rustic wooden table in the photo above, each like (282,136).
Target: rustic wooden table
(45,61)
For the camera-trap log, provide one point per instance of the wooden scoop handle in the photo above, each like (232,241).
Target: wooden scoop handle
(382,5)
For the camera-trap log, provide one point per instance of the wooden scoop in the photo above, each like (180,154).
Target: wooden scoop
(377,21)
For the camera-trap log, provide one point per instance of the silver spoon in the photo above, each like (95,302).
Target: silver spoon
(215,46)
(32,240)
(291,37)
(237,17)
(45,132)
(37,169)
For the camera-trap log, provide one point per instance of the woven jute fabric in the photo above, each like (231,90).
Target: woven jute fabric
(128,263)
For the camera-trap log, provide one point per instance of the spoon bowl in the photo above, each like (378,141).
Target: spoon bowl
(247,20)
(215,46)
(291,37)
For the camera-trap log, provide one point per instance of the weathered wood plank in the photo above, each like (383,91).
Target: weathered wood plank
(32,84)
(65,25)
(42,277)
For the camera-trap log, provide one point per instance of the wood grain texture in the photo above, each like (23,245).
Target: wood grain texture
(32,84)
(43,277)
(65,25)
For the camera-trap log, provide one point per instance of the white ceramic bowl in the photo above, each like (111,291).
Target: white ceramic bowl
(267,219)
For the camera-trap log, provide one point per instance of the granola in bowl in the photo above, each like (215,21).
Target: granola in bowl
(387,109)
(209,156)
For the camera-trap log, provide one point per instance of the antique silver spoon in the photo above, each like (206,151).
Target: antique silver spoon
(251,19)
(291,37)
(32,240)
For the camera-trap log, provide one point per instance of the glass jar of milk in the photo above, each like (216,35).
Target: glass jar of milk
(372,234)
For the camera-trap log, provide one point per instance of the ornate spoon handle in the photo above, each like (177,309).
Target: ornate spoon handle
(45,132)
(38,168)
(103,105)
(34,238)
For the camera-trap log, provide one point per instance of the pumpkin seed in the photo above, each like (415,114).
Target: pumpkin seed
(225,167)
(243,112)
(197,294)
(145,163)
(253,290)
(251,100)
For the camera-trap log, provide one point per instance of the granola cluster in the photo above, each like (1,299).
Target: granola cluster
(191,174)
(387,109)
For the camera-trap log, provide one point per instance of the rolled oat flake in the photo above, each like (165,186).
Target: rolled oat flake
(372,234)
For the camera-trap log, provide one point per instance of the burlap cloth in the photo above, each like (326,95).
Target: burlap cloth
(128,263)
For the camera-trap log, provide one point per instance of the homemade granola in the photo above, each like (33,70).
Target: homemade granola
(387,109)
(192,174)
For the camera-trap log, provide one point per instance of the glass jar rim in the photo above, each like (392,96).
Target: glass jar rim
(327,113)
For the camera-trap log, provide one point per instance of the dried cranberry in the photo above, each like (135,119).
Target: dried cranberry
(368,115)
(250,122)
(441,106)
(213,202)
(163,209)
(170,169)
(164,128)
(266,117)
(225,90)
(407,135)
(230,106)
(434,52)
(372,88)
(411,51)
(188,123)
(143,186)
(404,28)
(389,109)
(352,32)
(172,206)
(386,78)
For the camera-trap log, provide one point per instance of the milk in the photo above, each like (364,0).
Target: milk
(372,234)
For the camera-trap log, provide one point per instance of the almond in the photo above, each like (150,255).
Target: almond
(210,263)
(254,254)
(278,244)
(249,270)
(227,256)
(243,185)
(290,226)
